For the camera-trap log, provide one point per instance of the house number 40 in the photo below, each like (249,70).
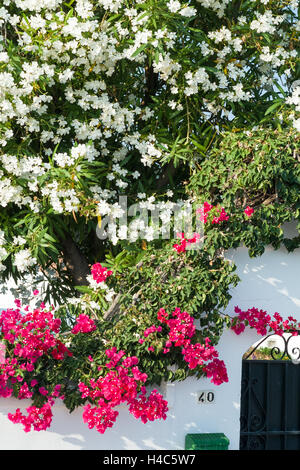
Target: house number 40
(206,396)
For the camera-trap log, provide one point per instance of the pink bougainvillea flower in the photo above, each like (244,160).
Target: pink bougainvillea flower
(24,392)
(121,384)
(181,332)
(206,208)
(185,243)
(223,216)
(99,273)
(203,211)
(262,322)
(248,211)
(31,335)
(84,324)
(180,248)
(38,418)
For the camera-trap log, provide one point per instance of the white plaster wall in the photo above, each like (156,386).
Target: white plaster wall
(270,282)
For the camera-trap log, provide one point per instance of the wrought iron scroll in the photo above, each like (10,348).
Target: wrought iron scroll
(277,353)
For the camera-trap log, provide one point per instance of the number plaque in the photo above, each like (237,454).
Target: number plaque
(206,396)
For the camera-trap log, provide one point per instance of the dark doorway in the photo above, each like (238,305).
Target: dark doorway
(270,399)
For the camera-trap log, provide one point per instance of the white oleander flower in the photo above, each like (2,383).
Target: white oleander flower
(23,260)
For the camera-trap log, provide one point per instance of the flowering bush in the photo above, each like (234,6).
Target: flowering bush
(36,362)
(38,418)
(121,384)
(84,324)
(263,323)
(171,105)
(31,337)
(181,331)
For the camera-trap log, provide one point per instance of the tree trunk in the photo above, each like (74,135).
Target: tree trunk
(75,261)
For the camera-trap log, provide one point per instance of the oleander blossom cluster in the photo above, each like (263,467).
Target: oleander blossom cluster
(181,331)
(122,382)
(72,53)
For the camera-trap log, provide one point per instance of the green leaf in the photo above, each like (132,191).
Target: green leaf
(139,50)
(274,106)
(84,289)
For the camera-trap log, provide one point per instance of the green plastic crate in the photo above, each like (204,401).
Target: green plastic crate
(215,441)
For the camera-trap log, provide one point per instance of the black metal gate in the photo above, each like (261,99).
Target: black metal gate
(270,401)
